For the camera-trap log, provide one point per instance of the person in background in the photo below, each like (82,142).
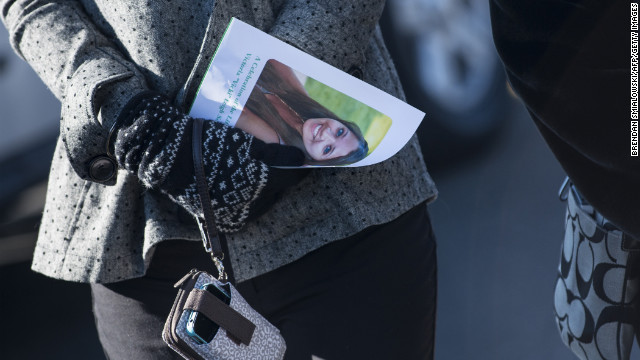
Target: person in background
(569,62)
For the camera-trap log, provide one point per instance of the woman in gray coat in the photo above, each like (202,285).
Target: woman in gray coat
(120,202)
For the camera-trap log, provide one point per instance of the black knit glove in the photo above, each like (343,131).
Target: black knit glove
(154,142)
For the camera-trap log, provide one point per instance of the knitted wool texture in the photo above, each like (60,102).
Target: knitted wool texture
(154,143)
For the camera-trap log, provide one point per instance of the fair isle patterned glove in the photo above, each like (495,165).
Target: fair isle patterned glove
(154,142)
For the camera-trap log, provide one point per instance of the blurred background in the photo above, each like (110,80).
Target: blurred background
(498,220)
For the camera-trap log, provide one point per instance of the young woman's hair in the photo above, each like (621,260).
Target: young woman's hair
(306,108)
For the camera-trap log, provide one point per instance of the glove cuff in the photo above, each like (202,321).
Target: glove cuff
(127,115)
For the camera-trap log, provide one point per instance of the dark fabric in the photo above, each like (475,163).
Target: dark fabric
(569,61)
(154,143)
(370,296)
(130,315)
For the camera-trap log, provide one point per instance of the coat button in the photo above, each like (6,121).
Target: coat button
(356,72)
(102,168)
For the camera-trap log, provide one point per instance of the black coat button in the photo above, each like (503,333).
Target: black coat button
(356,72)
(102,168)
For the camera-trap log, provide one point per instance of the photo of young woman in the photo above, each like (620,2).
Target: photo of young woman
(279,110)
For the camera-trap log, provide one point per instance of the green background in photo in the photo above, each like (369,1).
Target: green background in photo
(373,124)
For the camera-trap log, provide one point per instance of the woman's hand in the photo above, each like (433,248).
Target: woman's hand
(154,142)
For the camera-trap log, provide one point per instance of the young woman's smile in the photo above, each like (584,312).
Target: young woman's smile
(326,138)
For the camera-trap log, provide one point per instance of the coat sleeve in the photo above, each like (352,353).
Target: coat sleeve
(568,61)
(79,65)
(336,32)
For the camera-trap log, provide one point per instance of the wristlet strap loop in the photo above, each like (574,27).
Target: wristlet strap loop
(207,224)
(238,327)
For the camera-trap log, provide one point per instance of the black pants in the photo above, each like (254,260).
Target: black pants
(370,296)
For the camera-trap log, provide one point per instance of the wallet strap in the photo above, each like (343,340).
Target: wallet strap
(237,326)
(207,224)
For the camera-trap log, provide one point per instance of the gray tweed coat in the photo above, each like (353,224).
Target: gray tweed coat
(94,55)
